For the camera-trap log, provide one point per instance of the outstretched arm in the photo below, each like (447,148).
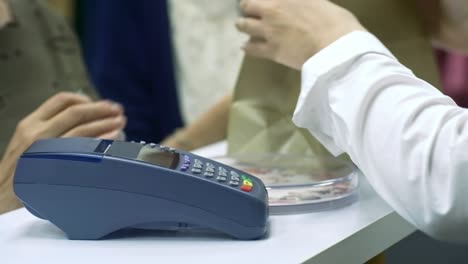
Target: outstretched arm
(209,128)
(408,139)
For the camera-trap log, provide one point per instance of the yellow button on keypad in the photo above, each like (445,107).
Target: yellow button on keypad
(248,183)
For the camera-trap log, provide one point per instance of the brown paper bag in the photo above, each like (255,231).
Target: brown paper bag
(266,93)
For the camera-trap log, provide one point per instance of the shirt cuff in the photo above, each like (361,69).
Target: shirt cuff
(313,110)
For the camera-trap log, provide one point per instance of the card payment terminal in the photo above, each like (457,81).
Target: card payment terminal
(90,188)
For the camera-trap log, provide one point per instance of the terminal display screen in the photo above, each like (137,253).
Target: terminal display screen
(158,157)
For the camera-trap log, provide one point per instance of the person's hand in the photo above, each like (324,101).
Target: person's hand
(291,31)
(68,115)
(63,115)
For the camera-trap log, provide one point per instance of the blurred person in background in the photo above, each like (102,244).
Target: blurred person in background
(207,53)
(167,62)
(443,21)
(44,90)
(454,73)
(128,49)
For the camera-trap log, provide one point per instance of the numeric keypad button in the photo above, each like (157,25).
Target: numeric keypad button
(222,172)
(235,178)
(221,178)
(208,174)
(234,183)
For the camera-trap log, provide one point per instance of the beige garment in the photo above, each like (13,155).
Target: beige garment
(207,51)
(266,93)
(39,57)
(5,14)
(65,7)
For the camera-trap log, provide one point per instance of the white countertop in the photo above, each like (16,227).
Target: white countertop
(351,234)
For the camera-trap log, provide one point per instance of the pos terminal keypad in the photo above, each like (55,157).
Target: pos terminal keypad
(208,170)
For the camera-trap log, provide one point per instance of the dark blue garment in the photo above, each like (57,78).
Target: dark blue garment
(127,46)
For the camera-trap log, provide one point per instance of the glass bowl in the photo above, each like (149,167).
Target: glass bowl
(300,183)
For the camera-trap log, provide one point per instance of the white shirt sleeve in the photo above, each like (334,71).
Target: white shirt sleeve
(409,139)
